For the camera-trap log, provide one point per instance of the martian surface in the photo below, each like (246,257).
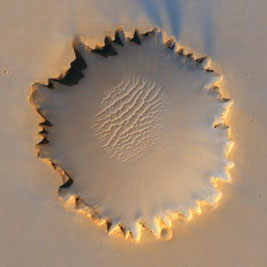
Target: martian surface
(133,133)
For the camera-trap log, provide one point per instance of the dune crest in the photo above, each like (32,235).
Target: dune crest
(137,131)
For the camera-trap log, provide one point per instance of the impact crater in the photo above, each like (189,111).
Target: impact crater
(138,131)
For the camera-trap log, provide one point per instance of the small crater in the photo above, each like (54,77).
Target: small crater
(166,234)
(5,72)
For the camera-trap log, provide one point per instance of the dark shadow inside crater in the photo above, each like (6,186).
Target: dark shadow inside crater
(107,49)
(74,73)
